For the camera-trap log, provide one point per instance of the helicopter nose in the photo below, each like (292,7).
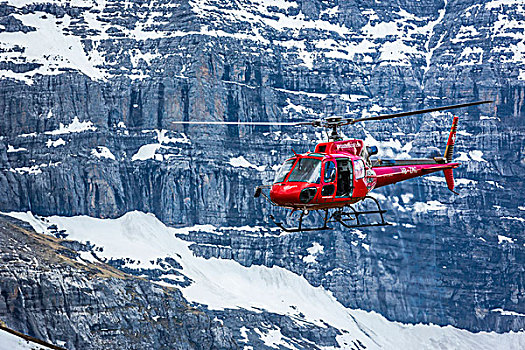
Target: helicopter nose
(283,193)
(292,193)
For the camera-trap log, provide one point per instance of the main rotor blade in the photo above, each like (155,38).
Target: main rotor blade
(420,111)
(236,123)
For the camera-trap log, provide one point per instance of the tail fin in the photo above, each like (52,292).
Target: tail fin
(449,151)
(449,176)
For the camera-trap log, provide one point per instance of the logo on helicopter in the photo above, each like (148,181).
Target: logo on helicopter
(345,146)
(409,170)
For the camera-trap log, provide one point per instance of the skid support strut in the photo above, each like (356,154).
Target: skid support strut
(300,226)
(352,219)
(349,219)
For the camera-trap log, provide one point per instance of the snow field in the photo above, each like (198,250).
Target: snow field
(225,284)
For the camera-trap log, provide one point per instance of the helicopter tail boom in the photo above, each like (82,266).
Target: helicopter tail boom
(392,171)
(405,170)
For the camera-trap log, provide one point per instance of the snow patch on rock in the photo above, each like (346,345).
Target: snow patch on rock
(102,152)
(241,162)
(75,126)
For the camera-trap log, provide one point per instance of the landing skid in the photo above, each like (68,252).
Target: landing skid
(349,219)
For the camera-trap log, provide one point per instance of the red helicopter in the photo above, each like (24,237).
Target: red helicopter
(339,173)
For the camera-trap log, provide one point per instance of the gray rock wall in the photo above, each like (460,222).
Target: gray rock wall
(446,266)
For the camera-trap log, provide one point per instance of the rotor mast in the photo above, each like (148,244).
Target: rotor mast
(333,123)
(334,136)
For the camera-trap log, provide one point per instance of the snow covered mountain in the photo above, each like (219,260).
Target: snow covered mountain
(89,89)
(141,242)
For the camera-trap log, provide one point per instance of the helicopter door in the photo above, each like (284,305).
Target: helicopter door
(344,178)
(359,174)
(329,175)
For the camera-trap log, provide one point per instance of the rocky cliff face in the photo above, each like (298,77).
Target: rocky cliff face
(49,293)
(86,129)
(50,290)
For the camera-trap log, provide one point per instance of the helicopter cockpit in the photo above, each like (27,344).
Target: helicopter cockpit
(305,170)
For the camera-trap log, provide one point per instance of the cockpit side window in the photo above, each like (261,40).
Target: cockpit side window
(359,169)
(329,172)
(284,170)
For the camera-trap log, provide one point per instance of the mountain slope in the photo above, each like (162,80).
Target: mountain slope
(144,244)
(85,127)
(49,293)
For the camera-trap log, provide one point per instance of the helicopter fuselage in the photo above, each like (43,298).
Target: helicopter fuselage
(340,173)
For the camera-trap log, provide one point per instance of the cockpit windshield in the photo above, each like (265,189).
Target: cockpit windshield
(284,170)
(306,170)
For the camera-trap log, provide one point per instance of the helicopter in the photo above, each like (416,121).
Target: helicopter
(340,173)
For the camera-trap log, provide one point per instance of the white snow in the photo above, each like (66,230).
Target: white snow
(360,234)
(477,156)
(463,157)
(244,334)
(31,134)
(498,3)
(463,133)
(146,152)
(421,207)
(508,313)
(32,170)
(407,197)
(484,117)
(137,55)
(75,126)
(471,55)
(465,182)
(149,151)
(296,108)
(60,142)
(273,338)
(164,139)
(241,162)
(521,76)
(50,45)
(102,152)
(12,149)
(197,228)
(222,284)
(462,182)
(313,252)
(391,148)
(514,218)
(10,341)
(434,178)
(87,256)
(504,239)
